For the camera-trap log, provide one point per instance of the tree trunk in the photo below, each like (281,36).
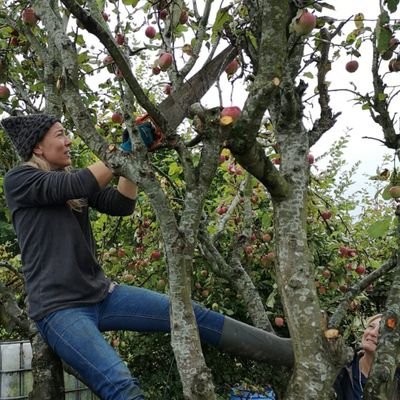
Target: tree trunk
(47,371)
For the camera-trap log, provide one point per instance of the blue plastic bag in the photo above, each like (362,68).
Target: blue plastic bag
(239,393)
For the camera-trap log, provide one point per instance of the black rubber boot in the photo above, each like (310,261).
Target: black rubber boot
(240,339)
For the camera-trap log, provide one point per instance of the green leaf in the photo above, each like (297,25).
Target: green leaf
(308,75)
(383,33)
(380,228)
(132,3)
(385,194)
(271,299)
(327,5)
(392,5)
(175,169)
(221,19)
(101,4)
(359,20)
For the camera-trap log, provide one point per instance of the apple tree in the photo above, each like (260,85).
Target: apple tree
(106,66)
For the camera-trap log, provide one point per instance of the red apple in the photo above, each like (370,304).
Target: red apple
(163,14)
(326,215)
(183,18)
(156,70)
(232,67)
(167,89)
(161,283)
(4,93)
(222,210)
(394,65)
(29,17)
(352,252)
(276,160)
(108,61)
(343,251)
(305,23)
(271,256)
(121,252)
(343,288)
(155,255)
(266,237)
(249,250)
(14,41)
(118,74)
(229,115)
(120,38)
(393,43)
(232,168)
(105,16)
(165,61)
(279,322)
(326,273)
(310,159)
(360,269)
(146,223)
(322,290)
(117,118)
(352,66)
(150,32)
(394,192)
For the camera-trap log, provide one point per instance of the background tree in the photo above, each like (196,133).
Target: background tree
(235,196)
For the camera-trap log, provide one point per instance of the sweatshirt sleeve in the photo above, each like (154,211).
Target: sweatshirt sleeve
(31,187)
(110,201)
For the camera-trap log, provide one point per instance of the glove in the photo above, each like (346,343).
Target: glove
(150,137)
(126,144)
(147,133)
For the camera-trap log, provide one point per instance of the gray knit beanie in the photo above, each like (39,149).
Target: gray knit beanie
(26,131)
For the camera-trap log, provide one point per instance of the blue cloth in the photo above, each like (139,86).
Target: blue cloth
(146,133)
(75,336)
(239,393)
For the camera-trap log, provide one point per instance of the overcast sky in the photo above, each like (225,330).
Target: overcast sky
(368,151)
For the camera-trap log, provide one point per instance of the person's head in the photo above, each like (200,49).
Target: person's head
(369,338)
(39,138)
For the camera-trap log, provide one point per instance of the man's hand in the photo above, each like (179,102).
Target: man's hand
(147,134)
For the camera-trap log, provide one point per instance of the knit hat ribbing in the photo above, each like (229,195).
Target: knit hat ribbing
(26,131)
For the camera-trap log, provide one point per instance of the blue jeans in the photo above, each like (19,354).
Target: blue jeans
(75,336)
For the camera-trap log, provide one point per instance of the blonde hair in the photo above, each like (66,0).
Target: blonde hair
(373,318)
(40,163)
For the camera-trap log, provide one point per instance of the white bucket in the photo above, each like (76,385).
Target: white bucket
(16,374)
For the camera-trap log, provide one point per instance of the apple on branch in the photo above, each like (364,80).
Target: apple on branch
(304,22)
(352,66)
(29,17)
(165,61)
(229,115)
(4,93)
(150,32)
(232,67)
(394,192)
(117,118)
